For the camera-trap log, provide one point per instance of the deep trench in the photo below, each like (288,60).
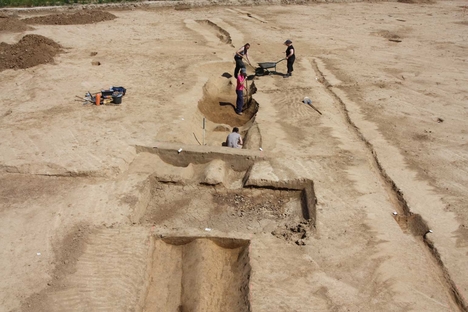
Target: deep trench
(407,220)
(214,107)
(201,274)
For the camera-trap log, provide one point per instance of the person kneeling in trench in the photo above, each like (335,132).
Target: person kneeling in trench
(234,139)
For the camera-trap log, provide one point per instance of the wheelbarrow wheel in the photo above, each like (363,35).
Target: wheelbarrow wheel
(259,71)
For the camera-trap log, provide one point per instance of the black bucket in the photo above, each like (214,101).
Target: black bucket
(117,99)
(106,93)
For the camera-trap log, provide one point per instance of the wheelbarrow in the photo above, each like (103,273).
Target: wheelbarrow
(264,68)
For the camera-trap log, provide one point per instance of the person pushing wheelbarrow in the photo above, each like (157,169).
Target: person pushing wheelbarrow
(264,68)
(290,57)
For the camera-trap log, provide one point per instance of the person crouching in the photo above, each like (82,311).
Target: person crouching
(234,139)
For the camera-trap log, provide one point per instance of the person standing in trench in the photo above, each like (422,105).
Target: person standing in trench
(240,90)
(240,54)
(290,57)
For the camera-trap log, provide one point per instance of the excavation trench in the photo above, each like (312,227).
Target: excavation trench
(218,105)
(199,274)
(197,189)
(204,206)
(408,221)
(223,35)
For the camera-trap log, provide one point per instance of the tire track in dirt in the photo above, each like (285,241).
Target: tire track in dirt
(408,221)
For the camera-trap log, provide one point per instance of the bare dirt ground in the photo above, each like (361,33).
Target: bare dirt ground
(120,208)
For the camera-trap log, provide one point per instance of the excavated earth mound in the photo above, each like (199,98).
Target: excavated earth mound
(12,24)
(30,51)
(78,18)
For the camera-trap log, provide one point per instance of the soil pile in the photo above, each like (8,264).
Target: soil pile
(265,204)
(417,1)
(78,18)
(30,51)
(12,24)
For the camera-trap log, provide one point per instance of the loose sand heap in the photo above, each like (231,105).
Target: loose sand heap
(30,51)
(12,24)
(78,18)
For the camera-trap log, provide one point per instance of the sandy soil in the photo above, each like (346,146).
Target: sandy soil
(360,208)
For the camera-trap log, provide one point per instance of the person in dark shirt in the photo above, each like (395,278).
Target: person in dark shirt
(240,55)
(290,57)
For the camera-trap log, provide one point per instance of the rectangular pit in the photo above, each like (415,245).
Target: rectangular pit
(199,274)
(244,210)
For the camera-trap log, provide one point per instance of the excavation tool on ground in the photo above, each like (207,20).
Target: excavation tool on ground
(308,101)
(246,94)
(315,109)
(87,99)
(263,69)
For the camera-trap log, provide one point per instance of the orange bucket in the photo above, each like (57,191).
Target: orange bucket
(98,99)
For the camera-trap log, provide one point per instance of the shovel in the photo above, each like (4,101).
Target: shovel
(307,101)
